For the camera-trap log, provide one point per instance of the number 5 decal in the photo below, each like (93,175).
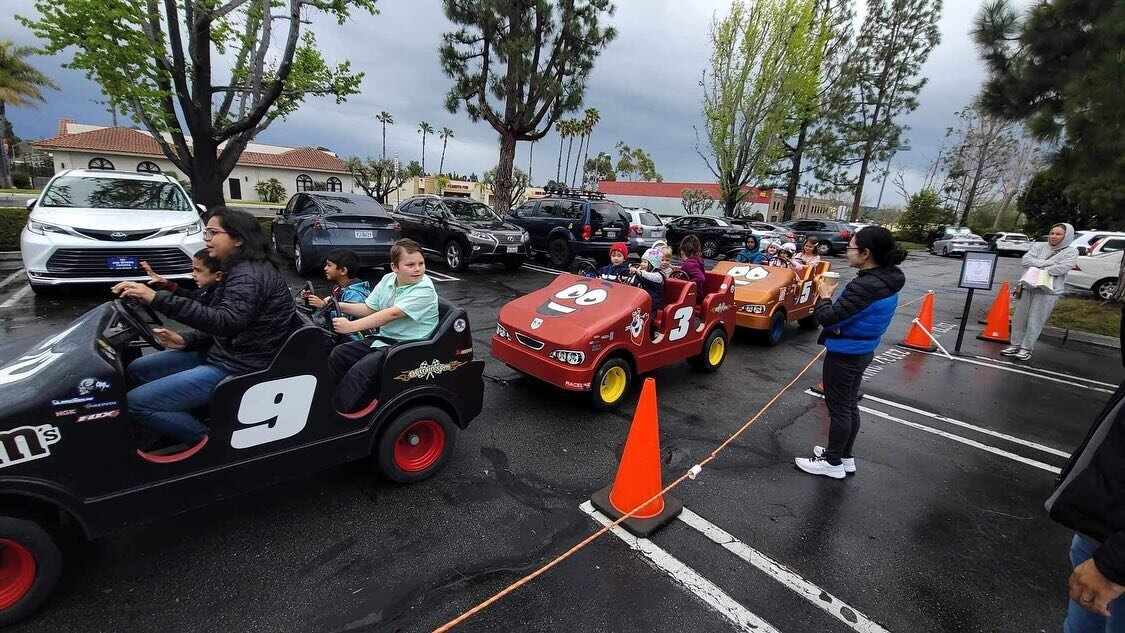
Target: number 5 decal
(683,322)
(805,292)
(274,410)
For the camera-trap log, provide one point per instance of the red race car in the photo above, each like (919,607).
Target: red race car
(586,334)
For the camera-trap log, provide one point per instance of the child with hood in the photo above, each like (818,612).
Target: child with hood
(648,277)
(1034,304)
(771,254)
(751,254)
(618,268)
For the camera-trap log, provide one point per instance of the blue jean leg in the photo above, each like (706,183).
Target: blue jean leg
(163,404)
(170,361)
(1080,620)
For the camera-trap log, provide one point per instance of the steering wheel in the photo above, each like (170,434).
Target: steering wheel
(679,274)
(303,302)
(129,315)
(323,315)
(586,268)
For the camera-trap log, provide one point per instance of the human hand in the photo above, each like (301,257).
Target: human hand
(170,338)
(343,326)
(826,287)
(1092,590)
(157,281)
(314,301)
(134,290)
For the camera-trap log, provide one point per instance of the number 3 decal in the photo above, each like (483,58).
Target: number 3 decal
(274,410)
(683,322)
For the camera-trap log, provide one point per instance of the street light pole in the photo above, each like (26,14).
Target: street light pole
(886,171)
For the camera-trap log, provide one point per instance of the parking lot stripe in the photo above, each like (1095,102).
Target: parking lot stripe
(973,427)
(1015,370)
(956,438)
(1046,371)
(704,589)
(820,598)
(15,298)
(441,276)
(10,278)
(542,269)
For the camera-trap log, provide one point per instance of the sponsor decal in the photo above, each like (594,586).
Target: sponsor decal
(636,326)
(577,385)
(274,410)
(720,308)
(607,337)
(573,298)
(65,412)
(27,366)
(459,325)
(27,443)
(70,401)
(107,349)
(468,351)
(430,369)
(89,385)
(536,323)
(100,415)
(781,294)
(101,405)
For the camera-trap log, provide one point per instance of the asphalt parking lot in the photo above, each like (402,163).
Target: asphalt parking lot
(942,528)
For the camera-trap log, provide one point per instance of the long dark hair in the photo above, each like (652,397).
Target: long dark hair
(241,225)
(881,244)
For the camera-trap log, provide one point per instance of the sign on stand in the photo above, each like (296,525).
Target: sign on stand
(977,272)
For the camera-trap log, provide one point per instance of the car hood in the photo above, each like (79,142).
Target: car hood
(109,219)
(572,311)
(489,225)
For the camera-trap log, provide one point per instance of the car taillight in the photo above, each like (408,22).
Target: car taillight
(321,223)
(1076,268)
(398,228)
(845,234)
(636,230)
(587,232)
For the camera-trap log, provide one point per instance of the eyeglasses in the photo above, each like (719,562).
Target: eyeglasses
(210,233)
(854,248)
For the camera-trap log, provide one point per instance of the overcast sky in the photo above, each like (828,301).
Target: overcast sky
(645,84)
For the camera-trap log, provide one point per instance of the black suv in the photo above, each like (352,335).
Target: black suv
(833,235)
(567,223)
(463,230)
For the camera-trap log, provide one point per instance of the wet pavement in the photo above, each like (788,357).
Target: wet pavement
(941,529)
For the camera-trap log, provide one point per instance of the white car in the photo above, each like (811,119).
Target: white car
(1083,240)
(957,240)
(1004,243)
(1096,273)
(97,226)
(652,229)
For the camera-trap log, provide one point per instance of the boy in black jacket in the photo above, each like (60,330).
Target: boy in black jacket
(205,271)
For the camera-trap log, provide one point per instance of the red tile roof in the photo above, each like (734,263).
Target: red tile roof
(670,189)
(124,140)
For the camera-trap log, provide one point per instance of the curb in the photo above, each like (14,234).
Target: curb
(8,255)
(1067,336)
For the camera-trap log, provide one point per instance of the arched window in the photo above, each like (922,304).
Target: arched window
(99,163)
(304,183)
(334,184)
(148,167)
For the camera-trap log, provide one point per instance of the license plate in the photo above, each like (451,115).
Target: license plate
(513,249)
(364,235)
(611,232)
(658,233)
(122,263)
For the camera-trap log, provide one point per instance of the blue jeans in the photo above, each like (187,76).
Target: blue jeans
(1078,619)
(170,384)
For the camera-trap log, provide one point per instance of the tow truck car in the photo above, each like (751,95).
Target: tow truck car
(768,297)
(69,457)
(585,334)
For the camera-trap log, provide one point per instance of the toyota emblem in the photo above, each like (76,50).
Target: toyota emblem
(511,239)
(118,235)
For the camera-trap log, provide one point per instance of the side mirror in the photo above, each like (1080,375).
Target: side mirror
(281,211)
(31,203)
(515,213)
(202,209)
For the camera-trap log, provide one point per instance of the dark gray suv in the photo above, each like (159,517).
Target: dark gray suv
(833,235)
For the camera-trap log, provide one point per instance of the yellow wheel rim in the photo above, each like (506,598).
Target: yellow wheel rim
(718,349)
(613,385)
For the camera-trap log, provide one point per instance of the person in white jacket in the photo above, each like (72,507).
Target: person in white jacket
(1055,256)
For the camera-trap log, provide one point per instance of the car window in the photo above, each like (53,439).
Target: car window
(412,207)
(608,214)
(102,192)
(1015,237)
(529,209)
(649,219)
(345,203)
(471,210)
(308,206)
(1112,245)
(293,203)
(720,222)
(549,209)
(432,208)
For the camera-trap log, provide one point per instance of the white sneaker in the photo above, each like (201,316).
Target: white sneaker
(1010,351)
(848,462)
(1023,354)
(818,466)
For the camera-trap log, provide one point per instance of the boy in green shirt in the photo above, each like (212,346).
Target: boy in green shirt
(402,308)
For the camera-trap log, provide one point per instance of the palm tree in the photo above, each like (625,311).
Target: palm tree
(584,129)
(444,135)
(20,85)
(593,117)
(562,127)
(572,128)
(424,129)
(386,119)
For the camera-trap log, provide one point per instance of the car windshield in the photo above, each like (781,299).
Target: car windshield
(471,210)
(722,222)
(349,204)
(961,230)
(650,219)
(1015,237)
(106,192)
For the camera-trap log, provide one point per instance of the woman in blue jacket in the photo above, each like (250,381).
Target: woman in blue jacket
(853,326)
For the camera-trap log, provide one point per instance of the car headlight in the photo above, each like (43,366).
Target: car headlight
(482,236)
(39,228)
(502,332)
(525,237)
(570,357)
(189,229)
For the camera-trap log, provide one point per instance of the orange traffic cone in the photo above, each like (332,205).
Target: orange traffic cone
(638,475)
(996,326)
(917,338)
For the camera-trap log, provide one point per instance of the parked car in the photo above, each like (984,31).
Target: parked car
(957,240)
(765,232)
(767,298)
(1007,243)
(568,223)
(1083,240)
(462,230)
(97,226)
(1107,244)
(1097,273)
(716,235)
(652,229)
(833,235)
(314,223)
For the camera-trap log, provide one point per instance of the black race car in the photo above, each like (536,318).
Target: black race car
(69,458)
(717,236)
(463,230)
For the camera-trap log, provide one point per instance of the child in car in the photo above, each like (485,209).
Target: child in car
(751,254)
(772,255)
(403,307)
(618,269)
(206,271)
(341,267)
(691,254)
(648,277)
(666,260)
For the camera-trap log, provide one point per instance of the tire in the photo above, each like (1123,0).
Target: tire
(710,248)
(808,323)
(611,383)
(824,248)
(300,262)
(273,242)
(454,253)
(772,336)
(945,251)
(513,263)
(415,445)
(1105,289)
(30,563)
(714,352)
(559,253)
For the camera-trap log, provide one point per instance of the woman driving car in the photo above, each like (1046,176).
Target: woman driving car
(240,331)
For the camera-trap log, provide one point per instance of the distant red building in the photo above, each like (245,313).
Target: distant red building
(664,197)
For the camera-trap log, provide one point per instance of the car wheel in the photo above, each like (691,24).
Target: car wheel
(300,262)
(808,323)
(455,256)
(513,263)
(611,382)
(776,330)
(559,253)
(273,242)
(824,248)
(945,251)
(415,445)
(30,566)
(710,249)
(714,352)
(1105,289)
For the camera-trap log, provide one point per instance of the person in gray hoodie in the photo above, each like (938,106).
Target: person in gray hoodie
(1055,256)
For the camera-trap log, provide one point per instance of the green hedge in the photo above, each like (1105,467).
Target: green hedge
(12,221)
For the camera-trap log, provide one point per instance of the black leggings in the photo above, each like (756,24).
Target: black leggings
(843,374)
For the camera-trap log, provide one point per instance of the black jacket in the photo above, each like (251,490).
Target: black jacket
(249,316)
(1090,495)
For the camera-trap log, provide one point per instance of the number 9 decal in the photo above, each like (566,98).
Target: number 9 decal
(274,410)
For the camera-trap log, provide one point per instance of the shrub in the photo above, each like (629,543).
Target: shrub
(21,180)
(12,221)
(270,190)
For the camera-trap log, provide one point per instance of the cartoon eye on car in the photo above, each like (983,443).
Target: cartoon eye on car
(69,456)
(583,334)
(768,297)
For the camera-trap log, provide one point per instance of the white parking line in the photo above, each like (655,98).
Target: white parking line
(10,278)
(1045,371)
(1029,371)
(439,277)
(542,269)
(704,589)
(16,297)
(823,600)
(956,438)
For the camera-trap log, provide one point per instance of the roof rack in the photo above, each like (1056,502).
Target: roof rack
(567,192)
